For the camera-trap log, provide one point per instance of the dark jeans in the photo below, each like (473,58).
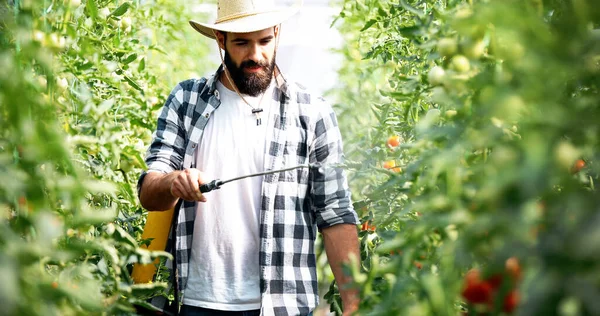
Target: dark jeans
(187,310)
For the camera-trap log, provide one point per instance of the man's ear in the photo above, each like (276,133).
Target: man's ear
(220,39)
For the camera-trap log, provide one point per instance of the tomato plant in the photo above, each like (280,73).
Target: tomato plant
(493,101)
(79,88)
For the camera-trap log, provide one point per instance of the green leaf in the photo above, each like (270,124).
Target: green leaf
(93,217)
(146,289)
(121,9)
(133,84)
(142,65)
(368,25)
(410,31)
(146,305)
(125,236)
(105,105)
(91,8)
(410,8)
(158,49)
(130,58)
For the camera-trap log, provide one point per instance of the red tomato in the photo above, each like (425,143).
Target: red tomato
(391,164)
(418,265)
(513,268)
(477,293)
(393,141)
(511,301)
(475,290)
(472,277)
(495,281)
(22,201)
(365,226)
(578,165)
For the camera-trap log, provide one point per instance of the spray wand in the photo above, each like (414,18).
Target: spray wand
(216,184)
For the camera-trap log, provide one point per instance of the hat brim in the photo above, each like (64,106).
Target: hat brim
(246,24)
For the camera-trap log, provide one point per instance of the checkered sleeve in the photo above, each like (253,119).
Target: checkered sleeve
(329,187)
(168,143)
(167,149)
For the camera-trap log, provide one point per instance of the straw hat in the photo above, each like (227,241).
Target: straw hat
(245,16)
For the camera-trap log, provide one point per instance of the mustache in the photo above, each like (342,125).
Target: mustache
(252,63)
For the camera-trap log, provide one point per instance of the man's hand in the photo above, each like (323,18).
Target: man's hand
(340,241)
(186,185)
(160,191)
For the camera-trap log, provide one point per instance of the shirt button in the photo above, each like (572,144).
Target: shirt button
(207,115)
(217,95)
(193,145)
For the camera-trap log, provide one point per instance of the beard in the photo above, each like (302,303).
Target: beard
(252,84)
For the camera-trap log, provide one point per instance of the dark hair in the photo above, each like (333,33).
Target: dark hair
(225,34)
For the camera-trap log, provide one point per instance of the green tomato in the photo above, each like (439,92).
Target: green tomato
(456,83)
(62,84)
(88,23)
(125,23)
(57,41)
(566,154)
(39,37)
(511,107)
(463,13)
(509,47)
(439,95)
(487,95)
(431,118)
(104,12)
(592,63)
(436,76)
(473,49)
(450,113)
(114,22)
(447,47)
(460,63)
(433,115)
(371,240)
(42,82)
(514,52)
(125,164)
(153,100)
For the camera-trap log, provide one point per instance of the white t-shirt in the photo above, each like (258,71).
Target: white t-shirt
(224,266)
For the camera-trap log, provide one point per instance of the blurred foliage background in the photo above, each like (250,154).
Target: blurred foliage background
(80,87)
(471,128)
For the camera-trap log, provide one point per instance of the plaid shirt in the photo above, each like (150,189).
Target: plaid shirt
(294,204)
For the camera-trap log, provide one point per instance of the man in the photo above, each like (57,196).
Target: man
(248,248)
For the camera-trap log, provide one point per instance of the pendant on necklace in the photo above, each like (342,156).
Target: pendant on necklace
(257,113)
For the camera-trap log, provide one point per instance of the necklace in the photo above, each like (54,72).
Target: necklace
(256,111)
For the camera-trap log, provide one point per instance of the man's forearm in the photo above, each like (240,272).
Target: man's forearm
(340,241)
(155,194)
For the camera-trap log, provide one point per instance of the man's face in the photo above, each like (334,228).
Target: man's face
(250,58)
